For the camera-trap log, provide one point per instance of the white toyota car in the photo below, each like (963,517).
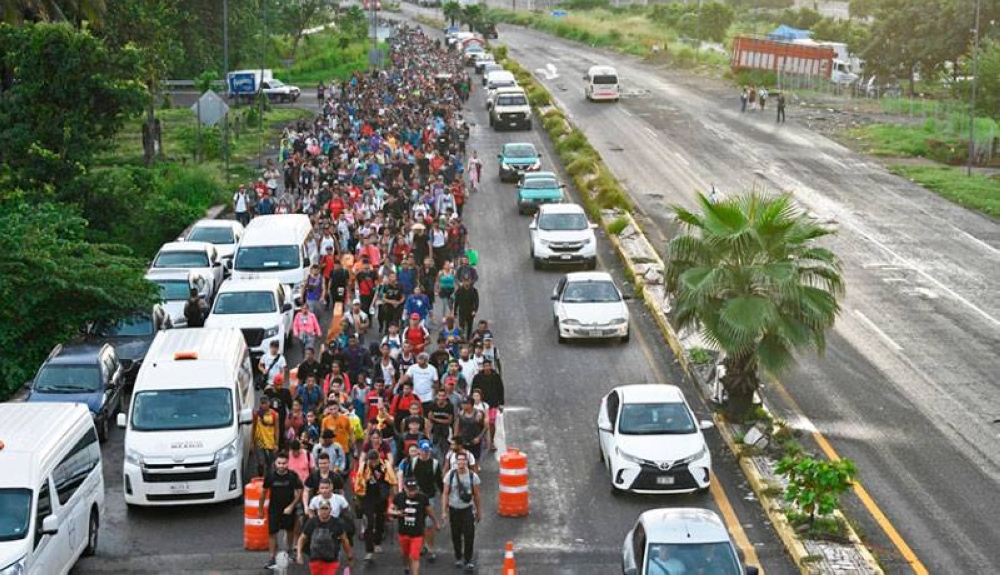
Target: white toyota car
(651,442)
(589,305)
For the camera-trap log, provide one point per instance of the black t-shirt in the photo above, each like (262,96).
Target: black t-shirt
(324,538)
(282,488)
(392,292)
(312,482)
(414,513)
(439,411)
(307,368)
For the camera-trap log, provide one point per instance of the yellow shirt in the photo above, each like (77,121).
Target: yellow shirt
(343,432)
(264,431)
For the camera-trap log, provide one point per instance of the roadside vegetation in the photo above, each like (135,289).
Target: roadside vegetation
(87,197)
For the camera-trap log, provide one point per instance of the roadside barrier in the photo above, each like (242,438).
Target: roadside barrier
(509,566)
(338,317)
(513,499)
(254,528)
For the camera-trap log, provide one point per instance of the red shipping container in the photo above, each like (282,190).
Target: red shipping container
(781,57)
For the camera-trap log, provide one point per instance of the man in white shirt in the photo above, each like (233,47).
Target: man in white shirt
(423,376)
(241,205)
(468,365)
(337,502)
(272,363)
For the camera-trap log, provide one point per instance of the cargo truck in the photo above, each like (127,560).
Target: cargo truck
(790,58)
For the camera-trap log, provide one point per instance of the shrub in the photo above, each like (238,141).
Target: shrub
(756,78)
(573,142)
(815,485)
(699,355)
(616,226)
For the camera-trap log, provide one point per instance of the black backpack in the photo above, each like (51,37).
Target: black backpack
(193,313)
(323,544)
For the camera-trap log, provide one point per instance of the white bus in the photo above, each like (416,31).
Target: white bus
(187,431)
(602,84)
(51,487)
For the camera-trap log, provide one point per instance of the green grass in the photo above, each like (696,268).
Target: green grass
(977,192)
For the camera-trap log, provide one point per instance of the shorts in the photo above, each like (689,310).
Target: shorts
(428,522)
(318,567)
(279,521)
(411,545)
(493,415)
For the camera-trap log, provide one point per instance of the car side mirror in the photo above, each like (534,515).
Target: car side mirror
(216,263)
(592,226)
(229,265)
(555,296)
(631,571)
(584,77)
(532,226)
(499,156)
(605,428)
(286,307)
(752,570)
(540,154)
(121,420)
(50,525)
(246,416)
(706,424)
(628,296)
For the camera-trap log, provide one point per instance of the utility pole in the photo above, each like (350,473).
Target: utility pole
(375,32)
(975,78)
(260,90)
(225,78)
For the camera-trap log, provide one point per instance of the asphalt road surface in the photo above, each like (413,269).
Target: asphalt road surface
(907,388)
(576,526)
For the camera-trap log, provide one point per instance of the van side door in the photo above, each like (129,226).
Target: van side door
(78,486)
(50,552)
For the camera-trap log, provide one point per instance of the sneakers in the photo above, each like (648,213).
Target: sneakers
(459,563)
(270,563)
(378,548)
(368,557)
(432,556)
(470,566)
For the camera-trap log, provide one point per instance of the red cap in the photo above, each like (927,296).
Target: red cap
(414,316)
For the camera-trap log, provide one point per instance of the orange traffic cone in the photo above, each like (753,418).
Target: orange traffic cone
(509,567)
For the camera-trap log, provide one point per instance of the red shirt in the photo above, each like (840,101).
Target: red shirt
(327,261)
(401,404)
(336,206)
(417,336)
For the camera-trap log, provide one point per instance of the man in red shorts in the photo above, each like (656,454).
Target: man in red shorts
(412,509)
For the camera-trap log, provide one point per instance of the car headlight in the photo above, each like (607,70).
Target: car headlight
(629,457)
(618,321)
(132,456)
(271,331)
(504,166)
(701,454)
(570,322)
(536,165)
(15,568)
(586,241)
(544,242)
(228,452)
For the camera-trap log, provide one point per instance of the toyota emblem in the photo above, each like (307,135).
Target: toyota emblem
(666,465)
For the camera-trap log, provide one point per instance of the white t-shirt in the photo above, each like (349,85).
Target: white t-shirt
(273,367)
(469,369)
(241,202)
(337,504)
(423,381)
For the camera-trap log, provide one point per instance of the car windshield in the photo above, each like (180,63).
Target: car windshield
(474,48)
(267,258)
(174,290)
(56,378)
(669,559)
(512,100)
(519,151)
(590,292)
(562,222)
(655,419)
(180,409)
(15,511)
(135,326)
(605,79)
(277,84)
(490,67)
(197,259)
(244,302)
(212,235)
(540,184)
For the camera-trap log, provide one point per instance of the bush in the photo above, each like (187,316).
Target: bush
(616,227)
(574,142)
(815,485)
(756,78)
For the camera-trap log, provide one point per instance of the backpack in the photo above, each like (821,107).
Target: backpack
(323,545)
(193,313)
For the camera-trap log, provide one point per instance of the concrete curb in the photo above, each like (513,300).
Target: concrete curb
(803,559)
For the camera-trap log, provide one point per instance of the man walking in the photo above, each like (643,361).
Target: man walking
(241,205)
(285,490)
(781,108)
(460,505)
(466,306)
(412,510)
(490,385)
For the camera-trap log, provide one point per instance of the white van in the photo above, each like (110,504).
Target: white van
(261,309)
(601,84)
(275,247)
(187,432)
(51,487)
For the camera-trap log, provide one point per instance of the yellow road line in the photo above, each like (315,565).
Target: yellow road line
(715,489)
(866,499)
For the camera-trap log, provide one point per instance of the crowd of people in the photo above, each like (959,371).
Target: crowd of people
(387,418)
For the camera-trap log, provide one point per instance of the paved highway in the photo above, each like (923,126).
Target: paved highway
(576,526)
(907,386)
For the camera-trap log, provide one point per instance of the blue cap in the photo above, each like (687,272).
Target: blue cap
(424,445)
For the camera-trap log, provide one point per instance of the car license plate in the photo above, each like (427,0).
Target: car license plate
(665,480)
(566,257)
(179,488)
(595,333)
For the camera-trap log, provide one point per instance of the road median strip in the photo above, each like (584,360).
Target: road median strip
(606,201)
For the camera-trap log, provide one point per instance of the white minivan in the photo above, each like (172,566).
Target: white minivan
(187,431)
(51,487)
(601,84)
(275,247)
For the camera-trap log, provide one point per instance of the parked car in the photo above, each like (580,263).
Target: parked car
(651,441)
(175,289)
(510,109)
(261,309)
(482,60)
(83,373)
(225,235)
(561,234)
(516,158)
(130,336)
(279,91)
(487,68)
(587,305)
(681,540)
(538,188)
(200,257)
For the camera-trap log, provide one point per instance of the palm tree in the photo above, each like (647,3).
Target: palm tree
(748,273)
(471,15)
(76,12)
(452,11)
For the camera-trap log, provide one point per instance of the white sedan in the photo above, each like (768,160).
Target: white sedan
(651,442)
(224,234)
(589,305)
(200,257)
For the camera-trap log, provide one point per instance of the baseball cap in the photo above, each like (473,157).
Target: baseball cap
(356,301)
(411,483)
(424,445)
(414,316)
(324,504)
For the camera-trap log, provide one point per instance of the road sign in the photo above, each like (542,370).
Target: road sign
(210,108)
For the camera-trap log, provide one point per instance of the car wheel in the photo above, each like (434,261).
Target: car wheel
(628,335)
(592,264)
(122,404)
(561,339)
(93,527)
(536,263)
